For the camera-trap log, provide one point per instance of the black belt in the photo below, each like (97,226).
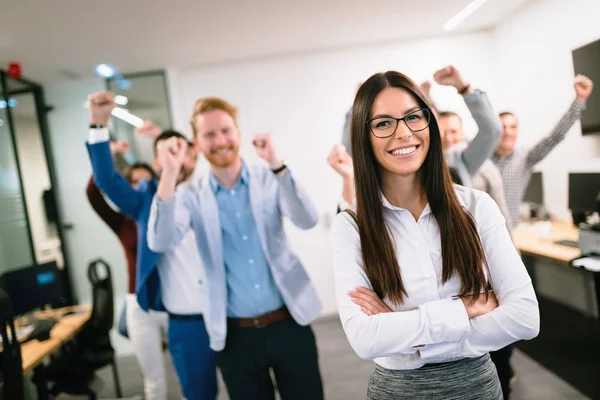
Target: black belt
(186,317)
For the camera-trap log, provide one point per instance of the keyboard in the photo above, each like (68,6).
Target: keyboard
(38,329)
(41,328)
(570,243)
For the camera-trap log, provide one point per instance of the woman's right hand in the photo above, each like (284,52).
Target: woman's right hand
(480,306)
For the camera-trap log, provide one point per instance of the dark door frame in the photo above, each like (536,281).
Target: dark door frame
(41,112)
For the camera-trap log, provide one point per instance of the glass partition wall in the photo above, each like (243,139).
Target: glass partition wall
(30,228)
(143,95)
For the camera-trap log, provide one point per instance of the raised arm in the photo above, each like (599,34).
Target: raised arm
(583,89)
(341,162)
(111,217)
(489,127)
(389,333)
(170,213)
(115,186)
(294,202)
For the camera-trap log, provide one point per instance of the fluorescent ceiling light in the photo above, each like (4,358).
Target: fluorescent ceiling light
(128,117)
(463,14)
(105,70)
(121,100)
(117,112)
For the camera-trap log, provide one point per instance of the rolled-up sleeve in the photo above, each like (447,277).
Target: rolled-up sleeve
(169,222)
(295,203)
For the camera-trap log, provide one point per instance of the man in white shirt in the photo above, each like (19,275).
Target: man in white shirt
(171,281)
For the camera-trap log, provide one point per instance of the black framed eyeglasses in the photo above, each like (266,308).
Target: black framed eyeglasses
(383,127)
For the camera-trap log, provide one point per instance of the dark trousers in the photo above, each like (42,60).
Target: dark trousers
(286,347)
(194,361)
(501,359)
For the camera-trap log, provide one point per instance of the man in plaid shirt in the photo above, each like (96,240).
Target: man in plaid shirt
(516,165)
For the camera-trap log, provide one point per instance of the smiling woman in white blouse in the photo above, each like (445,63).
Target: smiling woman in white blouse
(428,280)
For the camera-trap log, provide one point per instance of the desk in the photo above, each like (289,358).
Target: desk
(528,242)
(534,246)
(34,352)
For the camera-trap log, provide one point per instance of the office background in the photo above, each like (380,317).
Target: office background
(294,74)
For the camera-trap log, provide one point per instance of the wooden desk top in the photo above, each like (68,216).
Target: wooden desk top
(34,351)
(534,240)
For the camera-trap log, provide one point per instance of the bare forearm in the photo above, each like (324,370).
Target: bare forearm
(166,186)
(348,190)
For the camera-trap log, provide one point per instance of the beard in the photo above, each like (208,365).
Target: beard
(219,160)
(184,174)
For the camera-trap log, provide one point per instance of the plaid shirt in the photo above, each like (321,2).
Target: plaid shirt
(516,168)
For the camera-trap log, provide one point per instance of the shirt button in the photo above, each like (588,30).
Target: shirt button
(244,237)
(238,215)
(251,261)
(422,249)
(257,286)
(233,192)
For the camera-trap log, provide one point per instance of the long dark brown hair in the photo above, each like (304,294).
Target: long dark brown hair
(462,251)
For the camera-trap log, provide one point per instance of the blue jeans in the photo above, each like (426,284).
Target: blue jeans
(194,360)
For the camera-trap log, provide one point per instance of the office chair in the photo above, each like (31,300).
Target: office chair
(12,368)
(92,349)
(99,352)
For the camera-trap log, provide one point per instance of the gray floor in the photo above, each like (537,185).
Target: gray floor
(345,375)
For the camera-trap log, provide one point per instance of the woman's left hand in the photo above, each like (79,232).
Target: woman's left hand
(368,301)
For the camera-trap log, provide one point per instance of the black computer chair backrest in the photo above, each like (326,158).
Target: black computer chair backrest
(11,352)
(102,296)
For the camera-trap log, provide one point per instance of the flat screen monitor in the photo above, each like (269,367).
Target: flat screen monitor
(34,287)
(535,189)
(583,191)
(586,61)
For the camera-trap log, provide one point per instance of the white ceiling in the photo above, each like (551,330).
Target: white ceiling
(51,36)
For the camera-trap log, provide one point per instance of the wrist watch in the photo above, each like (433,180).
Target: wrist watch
(97,126)
(464,89)
(278,170)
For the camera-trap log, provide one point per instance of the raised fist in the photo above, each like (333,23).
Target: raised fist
(100,105)
(340,161)
(449,76)
(264,148)
(172,154)
(119,147)
(583,87)
(149,129)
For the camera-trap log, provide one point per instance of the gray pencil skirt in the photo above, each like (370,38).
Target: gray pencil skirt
(466,379)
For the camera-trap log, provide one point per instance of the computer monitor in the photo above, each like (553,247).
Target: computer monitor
(34,287)
(535,189)
(583,192)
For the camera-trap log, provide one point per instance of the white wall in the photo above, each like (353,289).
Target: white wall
(534,77)
(90,238)
(302,101)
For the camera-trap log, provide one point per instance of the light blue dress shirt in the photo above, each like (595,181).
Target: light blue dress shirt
(272,199)
(251,289)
